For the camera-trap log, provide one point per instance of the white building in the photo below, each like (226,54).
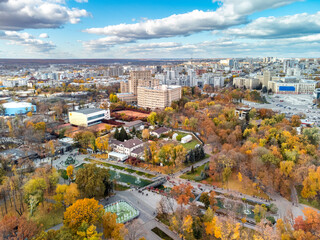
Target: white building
(131,147)
(88,116)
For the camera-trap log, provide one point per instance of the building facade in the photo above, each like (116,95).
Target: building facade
(249,83)
(88,117)
(158,97)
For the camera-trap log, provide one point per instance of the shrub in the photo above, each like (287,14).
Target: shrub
(271,219)
(273,208)
(179,137)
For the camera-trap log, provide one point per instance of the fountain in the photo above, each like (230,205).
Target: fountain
(117,176)
(246,210)
(138,181)
(125,212)
(226,204)
(70,161)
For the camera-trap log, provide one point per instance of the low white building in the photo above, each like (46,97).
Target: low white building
(186,139)
(88,116)
(285,86)
(131,147)
(117,156)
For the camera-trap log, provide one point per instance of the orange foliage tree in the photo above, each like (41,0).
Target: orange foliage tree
(83,210)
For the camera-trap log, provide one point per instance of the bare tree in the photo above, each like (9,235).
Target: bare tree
(135,230)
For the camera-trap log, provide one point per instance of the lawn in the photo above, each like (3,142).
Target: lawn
(190,145)
(48,216)
(312,203)
(192,176)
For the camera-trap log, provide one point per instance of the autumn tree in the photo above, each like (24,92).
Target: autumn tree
(34,191)
(88,232)
(66,195)
(83,210)
(13,227)
(145,134)
(70,172)
(112,229)
(152,118)
(102,143)
(311,184)
(93,181)
(182,193)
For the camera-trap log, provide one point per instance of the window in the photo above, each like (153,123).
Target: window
(95,117)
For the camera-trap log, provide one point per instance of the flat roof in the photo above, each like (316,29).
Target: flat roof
(89,110)
(119,155)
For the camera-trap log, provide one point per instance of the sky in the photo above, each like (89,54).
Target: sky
(159,28)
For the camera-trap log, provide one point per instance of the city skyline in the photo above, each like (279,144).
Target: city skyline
(145,29)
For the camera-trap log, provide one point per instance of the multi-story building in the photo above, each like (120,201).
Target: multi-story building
(124,86)
(131,147)
(136,78)
(15,82)
(250,83)
(158,97)
(293,87)
(88,116)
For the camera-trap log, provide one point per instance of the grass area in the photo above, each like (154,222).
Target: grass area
(120,187)
(190,145)
(148,175)
(161,233)
(48,216)
(246,186)
(192,176)
(312,203)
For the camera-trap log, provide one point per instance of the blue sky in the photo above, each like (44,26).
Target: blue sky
(159,28)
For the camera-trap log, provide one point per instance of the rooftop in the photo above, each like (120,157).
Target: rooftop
(89,110)
(131,124)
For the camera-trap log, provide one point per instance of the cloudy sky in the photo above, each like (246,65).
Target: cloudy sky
(159,28)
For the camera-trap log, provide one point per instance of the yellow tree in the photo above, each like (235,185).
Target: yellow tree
(83,210)
(88,232)
(10,127)
(102,143)
(112,229)
(70,172)
(145,134)
(66,195)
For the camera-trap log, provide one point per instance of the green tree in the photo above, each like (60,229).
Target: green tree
(313,135)
(123,135)
(116,134)
(93,181)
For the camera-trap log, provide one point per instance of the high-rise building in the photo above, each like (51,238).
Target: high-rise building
(138,78)
(158,97)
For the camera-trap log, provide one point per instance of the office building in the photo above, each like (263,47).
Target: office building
(88,117)
(249,83)
(158,97)
(285,86)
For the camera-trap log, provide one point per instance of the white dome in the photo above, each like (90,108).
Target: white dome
(17,105)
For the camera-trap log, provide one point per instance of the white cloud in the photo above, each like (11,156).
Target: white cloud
(21,14)
(31,43)
(279,27)
(43,35)
(230,13)
(226,47)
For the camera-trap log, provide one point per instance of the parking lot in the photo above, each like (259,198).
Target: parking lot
(291,104)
